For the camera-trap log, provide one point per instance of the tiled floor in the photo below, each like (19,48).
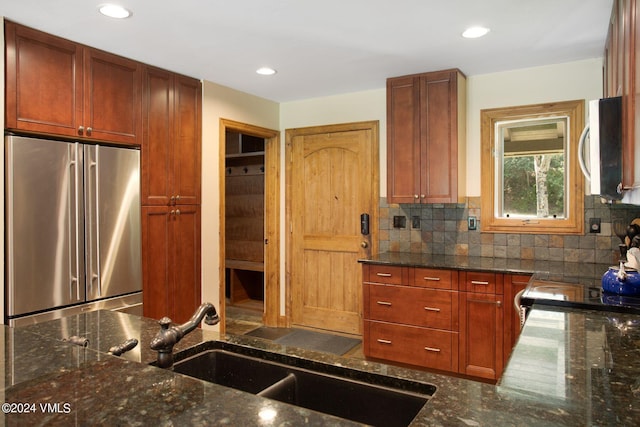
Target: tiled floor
(240,320)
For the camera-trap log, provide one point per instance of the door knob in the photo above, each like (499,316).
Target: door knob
(364,245)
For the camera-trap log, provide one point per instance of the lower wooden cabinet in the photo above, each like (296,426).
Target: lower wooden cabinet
(449,320)
(171,261)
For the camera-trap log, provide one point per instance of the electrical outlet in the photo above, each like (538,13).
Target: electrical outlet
(399,221)
(415,222)
(594,225)
(472,223)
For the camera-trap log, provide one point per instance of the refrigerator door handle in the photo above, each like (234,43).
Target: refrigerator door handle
(93,220)
(74,228)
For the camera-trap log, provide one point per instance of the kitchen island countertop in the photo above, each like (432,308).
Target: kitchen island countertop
(101,389)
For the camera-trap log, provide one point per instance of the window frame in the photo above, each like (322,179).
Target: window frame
(574,221)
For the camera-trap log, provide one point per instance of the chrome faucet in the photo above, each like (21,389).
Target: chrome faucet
(169,335)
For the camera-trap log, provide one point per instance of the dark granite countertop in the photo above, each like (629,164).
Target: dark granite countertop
(584,288)
(98,389)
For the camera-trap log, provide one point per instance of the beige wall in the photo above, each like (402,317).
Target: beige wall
(561,82)
(221,102)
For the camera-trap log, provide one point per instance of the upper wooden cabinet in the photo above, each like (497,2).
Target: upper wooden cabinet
(55,86)
(426,137)
(171,142)
(621,77)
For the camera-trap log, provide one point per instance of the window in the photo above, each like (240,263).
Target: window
(530,177)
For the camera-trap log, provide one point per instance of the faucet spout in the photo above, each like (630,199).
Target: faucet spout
(169,335)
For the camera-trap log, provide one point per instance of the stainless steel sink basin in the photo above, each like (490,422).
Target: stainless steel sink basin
(355,395)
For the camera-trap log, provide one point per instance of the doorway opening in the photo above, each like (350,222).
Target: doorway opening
(249,219)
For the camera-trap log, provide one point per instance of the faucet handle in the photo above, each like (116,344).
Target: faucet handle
(165,322)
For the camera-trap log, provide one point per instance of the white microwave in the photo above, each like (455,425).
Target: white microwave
(602,140)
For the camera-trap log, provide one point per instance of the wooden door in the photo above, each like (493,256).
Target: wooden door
(403,140)
(171,261)
(44,82)
(481,335)
(438,138)
(156,256)
(185,294)
(157,136)
(333,179)
(188,136)
(112,101)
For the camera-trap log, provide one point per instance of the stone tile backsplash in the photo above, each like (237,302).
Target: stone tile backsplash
(443,229)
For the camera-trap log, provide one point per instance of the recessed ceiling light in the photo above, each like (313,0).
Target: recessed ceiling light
(114,11)
(475,32)
(266,71)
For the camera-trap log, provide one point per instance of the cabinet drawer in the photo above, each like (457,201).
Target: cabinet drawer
(413,306)
(386,274)
(482,282)
(430,348)
(435,278)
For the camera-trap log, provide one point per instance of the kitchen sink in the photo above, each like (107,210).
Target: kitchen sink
(346,393)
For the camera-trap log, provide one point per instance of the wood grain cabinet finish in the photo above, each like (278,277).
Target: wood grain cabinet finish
(621,77)
(58,87)
(426,137)
(481,335)
(171,142)
(171,171)
(459,321)
(409,323)
(171,261)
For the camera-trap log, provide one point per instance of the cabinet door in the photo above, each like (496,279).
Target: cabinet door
(112,101)
(403,134)
(43,82)
(187,142)
(481,335)
(438,138)
(171,261)
(157,137)
(156,259)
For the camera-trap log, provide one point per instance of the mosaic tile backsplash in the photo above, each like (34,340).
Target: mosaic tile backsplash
(443,229)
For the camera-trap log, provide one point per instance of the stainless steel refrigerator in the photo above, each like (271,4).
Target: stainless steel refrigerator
(72,229)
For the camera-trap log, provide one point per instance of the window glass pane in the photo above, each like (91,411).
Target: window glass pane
(530,160)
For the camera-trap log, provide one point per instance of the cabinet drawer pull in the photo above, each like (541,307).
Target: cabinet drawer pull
(431,309)
(478,282)
(381,341)
(384,303)
(383,274)
(433,279)
(437,350)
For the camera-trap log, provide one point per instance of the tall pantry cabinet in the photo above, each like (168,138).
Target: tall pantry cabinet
(171,221)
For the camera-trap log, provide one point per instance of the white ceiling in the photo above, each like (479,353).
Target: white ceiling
(327,47)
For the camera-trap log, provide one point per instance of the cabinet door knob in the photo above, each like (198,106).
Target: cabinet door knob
(381,341)
(423,196)
(384,303)
(365,245)
(80,130)
(437,350)
(172,200)
(415,196)
(173,212)
(177,211)
(177,198)
(432,309)
(89,131)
